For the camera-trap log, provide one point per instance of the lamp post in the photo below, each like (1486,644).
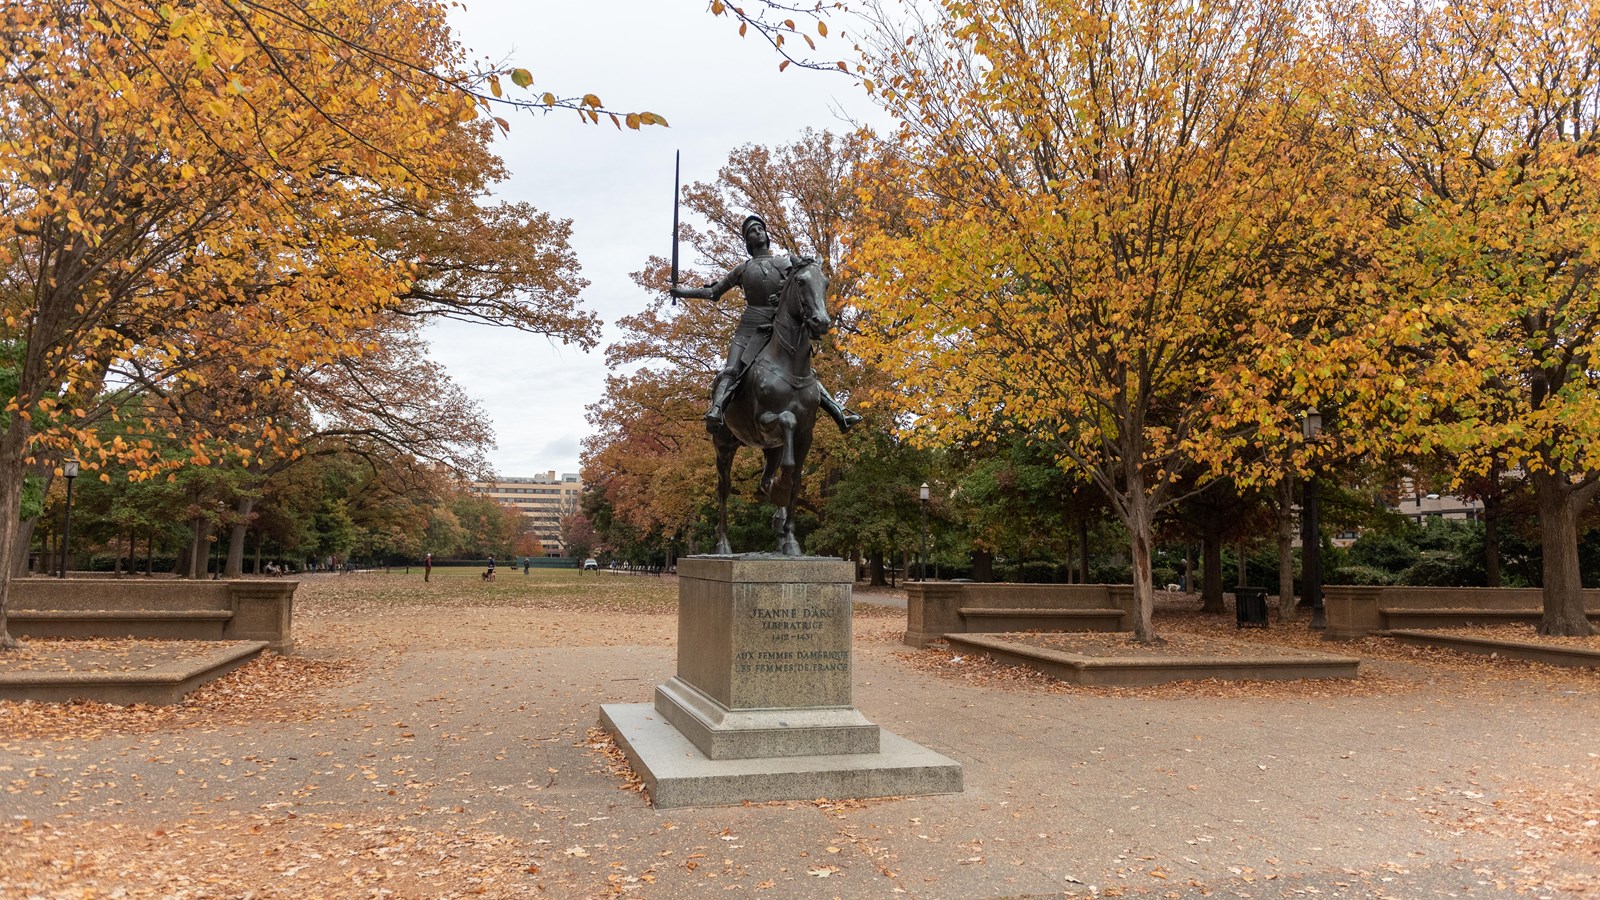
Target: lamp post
(1311,541)
(216,544)
(69,470)
(923,493)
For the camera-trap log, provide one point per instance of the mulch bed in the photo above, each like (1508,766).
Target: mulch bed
(1123,646)
(102,654)
(270,688)
(1524,633)
(1389,667)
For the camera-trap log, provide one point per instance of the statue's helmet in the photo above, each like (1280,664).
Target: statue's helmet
(744,228)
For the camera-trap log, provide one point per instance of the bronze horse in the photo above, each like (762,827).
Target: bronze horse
(774,405)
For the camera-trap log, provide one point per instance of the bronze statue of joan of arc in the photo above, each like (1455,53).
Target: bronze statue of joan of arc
(761,278)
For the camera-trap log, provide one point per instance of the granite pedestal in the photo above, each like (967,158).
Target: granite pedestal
(760,708)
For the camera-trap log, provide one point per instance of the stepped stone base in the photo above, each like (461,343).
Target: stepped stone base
(677,774)
(723,733)
(760,708)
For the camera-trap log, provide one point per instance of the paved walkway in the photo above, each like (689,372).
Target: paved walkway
(474,761)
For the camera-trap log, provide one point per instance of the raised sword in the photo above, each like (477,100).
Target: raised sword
(677,161)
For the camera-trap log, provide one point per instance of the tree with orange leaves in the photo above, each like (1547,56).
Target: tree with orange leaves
(1096,199)
(187,193)
(1475,129)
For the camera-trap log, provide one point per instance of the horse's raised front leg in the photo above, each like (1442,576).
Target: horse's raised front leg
(786,489)
(724,487)
(795,449)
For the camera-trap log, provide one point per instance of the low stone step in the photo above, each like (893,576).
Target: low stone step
(1406,617)
(978,619)
(1146,667)
(161,683)
(153,624)
(1532,651)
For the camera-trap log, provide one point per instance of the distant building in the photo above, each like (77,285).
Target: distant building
(543,498)
(1414,502)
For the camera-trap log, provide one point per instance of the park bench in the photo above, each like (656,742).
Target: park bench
(1356,611)
(937,608)
(156,609)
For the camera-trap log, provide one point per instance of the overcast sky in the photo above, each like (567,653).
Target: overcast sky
(670,57)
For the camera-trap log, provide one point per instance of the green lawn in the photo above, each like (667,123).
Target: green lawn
(463,586)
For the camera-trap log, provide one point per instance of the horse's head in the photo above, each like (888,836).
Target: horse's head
(811,289)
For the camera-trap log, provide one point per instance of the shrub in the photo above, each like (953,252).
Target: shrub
(1361,575)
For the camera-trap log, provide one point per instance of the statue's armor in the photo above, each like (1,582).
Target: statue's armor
(761,279)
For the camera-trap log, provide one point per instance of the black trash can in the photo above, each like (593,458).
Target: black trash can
(1250,605)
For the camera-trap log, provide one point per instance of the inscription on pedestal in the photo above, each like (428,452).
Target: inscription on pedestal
(762,634)
(792,645)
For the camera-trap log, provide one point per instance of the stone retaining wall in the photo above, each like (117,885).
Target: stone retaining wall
(933,608)
(257,610)
(1354,611)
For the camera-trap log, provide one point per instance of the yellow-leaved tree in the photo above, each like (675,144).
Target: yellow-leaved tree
(188,190)
(1476,127)
(1099,201)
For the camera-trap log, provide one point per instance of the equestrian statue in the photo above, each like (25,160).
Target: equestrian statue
(767,395)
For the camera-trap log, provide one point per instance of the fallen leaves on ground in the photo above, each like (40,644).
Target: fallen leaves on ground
(271,854)
(604,746)
(1388,667)
(100,654)
(270,688)
(1174,645)
(1554,825)
(1525,634)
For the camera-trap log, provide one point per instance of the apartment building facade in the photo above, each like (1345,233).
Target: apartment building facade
(543,498)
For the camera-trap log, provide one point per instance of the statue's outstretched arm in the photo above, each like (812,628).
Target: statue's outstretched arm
(712,291)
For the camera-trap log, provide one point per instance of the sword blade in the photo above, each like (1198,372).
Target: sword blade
(677,161)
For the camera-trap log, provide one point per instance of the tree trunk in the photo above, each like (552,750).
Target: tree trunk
(875,570)
(1559,504)
(1284,491)
(12,442)
(202,549)
(149,551)
(1244,574)
(1139,529)
(255,569)
(1211,563)
(1083,546)
(235,566)
(982,566)
(1491,540)
(24,541)
(186,566)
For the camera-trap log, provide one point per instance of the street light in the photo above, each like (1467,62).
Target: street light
(1311,541)
(216,544)
(923,492)
(69,469)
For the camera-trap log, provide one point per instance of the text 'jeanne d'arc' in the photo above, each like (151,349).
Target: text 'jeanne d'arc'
(807,612)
